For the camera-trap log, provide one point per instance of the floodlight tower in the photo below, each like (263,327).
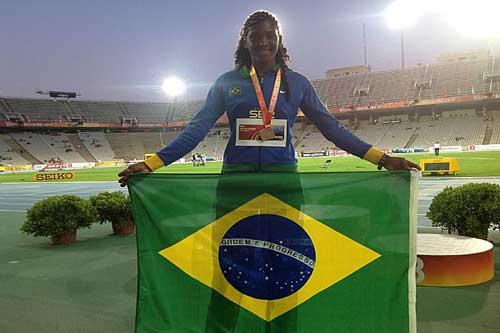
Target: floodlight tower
(401,15)
(173,87)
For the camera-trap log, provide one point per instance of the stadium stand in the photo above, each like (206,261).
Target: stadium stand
(125,145)
(462,131)
(9,155)
(151,141)
(457,79)
(149,112)
(494,125)
(312,140)
(97,145)
(133,145)
(298,132)
(38,109)
(108,130)
(185,110)
(372,134)
(61,146)
(95,111)
(98,111)
(3,110)
(80,148)
(169,136)
(48,146)
(387,136)
(214,143)
(18,148)
(458,128)
(443,80)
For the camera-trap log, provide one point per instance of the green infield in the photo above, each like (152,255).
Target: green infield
(472,164)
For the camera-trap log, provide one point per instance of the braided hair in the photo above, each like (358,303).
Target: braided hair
(242,55)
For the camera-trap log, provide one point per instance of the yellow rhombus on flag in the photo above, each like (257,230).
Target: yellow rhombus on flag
(337,256)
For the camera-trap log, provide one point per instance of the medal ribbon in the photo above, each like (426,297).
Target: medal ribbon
(267,112)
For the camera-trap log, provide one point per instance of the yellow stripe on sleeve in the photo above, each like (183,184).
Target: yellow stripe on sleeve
(154,162)
(373,155)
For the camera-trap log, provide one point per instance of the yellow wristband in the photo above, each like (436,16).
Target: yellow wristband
(373,155)
(154,162)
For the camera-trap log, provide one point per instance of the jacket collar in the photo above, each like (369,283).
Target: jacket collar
(245,71)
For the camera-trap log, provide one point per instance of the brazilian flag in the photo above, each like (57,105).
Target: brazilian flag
(275,252)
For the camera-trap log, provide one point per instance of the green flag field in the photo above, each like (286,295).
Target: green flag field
(277,252)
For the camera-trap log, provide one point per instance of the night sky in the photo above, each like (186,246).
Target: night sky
(121,50)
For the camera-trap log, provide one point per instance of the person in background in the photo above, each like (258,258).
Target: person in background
(437,146)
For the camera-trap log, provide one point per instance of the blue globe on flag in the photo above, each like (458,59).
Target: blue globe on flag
(266,256)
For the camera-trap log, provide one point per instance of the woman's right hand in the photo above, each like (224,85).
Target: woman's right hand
(140,167)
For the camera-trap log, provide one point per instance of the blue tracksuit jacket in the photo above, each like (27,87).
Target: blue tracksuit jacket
(233,93)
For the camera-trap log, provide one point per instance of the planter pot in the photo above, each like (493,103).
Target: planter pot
(124,229)
(66,238)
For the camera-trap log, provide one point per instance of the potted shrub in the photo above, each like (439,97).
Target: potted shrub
(59,217)
(469,210)
(114,207)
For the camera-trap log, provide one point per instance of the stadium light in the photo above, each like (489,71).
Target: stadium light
(402,14)
(173,86)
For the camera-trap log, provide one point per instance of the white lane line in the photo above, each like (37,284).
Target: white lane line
(14,203)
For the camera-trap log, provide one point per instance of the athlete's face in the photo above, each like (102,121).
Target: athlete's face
(262,41)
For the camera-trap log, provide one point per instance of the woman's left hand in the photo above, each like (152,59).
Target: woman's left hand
(398,163)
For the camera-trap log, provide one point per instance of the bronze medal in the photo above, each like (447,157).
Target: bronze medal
(266,134)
